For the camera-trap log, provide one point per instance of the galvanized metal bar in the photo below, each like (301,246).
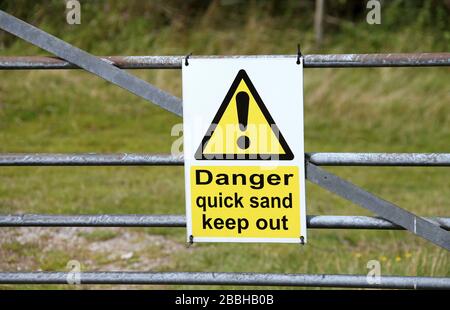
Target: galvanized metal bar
(415,224)
(378,60)
(90,63)
(92,220)
(91,159)
(144,220)
(380,159)
(135,159)
(363,222)
(122,62)
(225,278)
(174,62)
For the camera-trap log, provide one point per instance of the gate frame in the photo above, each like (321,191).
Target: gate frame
(430,230)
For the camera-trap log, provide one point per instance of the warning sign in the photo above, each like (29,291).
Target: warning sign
(243,149)
(245,201)
(243,114)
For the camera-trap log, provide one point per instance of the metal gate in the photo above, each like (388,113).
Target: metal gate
(390,216)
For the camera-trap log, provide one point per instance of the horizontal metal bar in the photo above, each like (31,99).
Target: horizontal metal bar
(142,220)
(363,222)
(126,159)
(174,62)
(123,159)
(380,159)
(123,62)
(103,220)
(226,278)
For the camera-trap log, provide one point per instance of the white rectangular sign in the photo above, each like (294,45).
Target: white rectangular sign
(243,150)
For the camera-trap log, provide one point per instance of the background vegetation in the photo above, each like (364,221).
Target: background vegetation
(346,110)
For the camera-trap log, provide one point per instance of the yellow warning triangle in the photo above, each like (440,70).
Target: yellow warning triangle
(243,128)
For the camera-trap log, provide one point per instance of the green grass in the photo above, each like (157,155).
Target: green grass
(346,110)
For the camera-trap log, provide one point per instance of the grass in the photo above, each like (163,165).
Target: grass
(98,235)
(346,110)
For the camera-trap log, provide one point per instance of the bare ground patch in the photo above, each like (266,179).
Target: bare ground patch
(106,249)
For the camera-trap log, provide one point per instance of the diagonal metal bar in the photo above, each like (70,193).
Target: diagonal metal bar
(415,224)
(89,63)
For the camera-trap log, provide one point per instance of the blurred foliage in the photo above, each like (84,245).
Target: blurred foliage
(107,19)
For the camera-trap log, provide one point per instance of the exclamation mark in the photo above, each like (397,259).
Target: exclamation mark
(242,100)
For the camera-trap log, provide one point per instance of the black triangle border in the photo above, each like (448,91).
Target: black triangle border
(242,75)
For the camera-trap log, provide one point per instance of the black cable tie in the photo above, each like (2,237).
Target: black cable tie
(299,54)
(191,240)
(302,240)
(186,63)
